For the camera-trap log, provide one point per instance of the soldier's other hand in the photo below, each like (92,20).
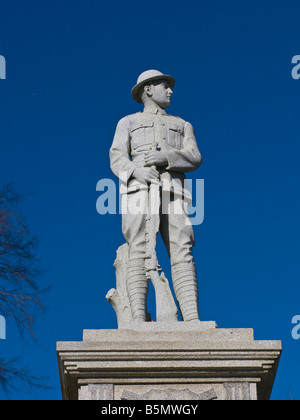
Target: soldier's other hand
(156,158)
(146,174)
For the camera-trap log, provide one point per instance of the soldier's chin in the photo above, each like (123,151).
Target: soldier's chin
(165,104)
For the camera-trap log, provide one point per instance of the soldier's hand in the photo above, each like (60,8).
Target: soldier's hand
(146,174)
(156,158)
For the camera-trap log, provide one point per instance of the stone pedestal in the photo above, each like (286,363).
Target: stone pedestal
(168,362)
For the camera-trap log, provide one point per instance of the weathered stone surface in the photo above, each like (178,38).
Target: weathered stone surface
(119,297)
(170,326)
(166,310)
(227,363)
(154,333)
(94,392)
(167,394)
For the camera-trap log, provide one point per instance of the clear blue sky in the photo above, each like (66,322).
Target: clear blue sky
(70,68)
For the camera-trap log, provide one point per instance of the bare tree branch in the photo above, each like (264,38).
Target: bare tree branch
(20,292)
(13,377)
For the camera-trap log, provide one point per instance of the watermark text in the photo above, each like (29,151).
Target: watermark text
(2,328)
(2,67)
(296,329)
(296,68)
(139,198)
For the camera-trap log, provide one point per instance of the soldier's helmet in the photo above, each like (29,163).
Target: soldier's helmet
(149,76)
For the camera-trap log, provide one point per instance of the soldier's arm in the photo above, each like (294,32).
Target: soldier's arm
(120,161)
(189,157)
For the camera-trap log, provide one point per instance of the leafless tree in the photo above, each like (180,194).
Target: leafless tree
(19,290)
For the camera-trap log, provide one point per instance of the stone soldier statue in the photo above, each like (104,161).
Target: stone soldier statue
(152,146)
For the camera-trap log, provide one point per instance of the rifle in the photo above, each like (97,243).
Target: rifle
(166,310)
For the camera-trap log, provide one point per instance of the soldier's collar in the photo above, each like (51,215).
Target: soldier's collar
(153,109)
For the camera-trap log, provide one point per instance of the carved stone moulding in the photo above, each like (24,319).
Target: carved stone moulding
(207,364)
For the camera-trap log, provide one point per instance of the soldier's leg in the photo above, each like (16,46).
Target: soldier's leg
(137,288)
(178,235)
(186,290)
(133,227)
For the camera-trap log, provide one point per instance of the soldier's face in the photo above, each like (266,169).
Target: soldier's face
(161,93)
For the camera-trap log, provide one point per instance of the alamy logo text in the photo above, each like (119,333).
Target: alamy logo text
(2,328)
(2,67)
(296,68)
(188,197)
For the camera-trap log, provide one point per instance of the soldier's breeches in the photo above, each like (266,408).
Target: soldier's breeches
(186,290)
(137,288)
(175,227)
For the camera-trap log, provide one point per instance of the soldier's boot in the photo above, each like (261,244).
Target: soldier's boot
(137,288)
(186,290)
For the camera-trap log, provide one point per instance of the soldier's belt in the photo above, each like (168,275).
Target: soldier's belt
(173,187)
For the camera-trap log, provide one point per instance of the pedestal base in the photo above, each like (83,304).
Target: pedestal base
(203,363)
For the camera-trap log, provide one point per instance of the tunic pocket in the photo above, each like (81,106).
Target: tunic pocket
(142,134)
(174,136)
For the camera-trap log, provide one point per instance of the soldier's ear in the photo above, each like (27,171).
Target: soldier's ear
(148,90)
(145,92)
